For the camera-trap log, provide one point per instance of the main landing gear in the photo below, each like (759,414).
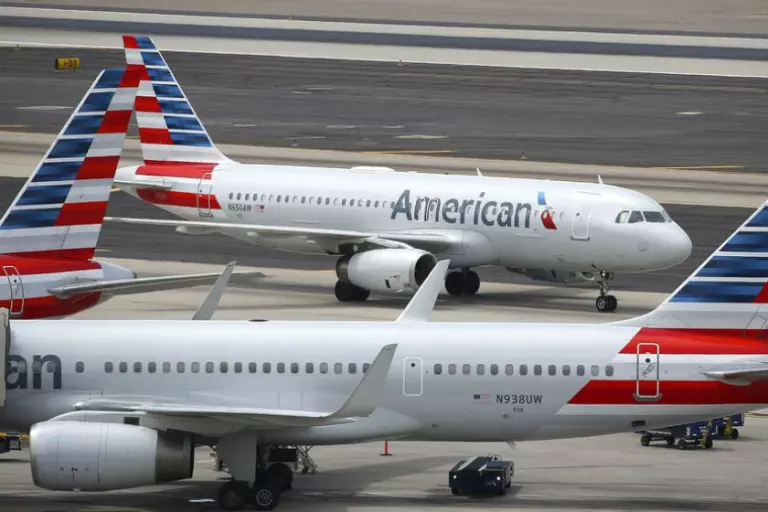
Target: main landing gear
(463,282)
(348,292)
(264,494)
(605,303)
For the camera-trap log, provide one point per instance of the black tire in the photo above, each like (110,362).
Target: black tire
(670,441)
(735,434)
(708,443)
(455,491)
(601,304)
(233,495)
(265,495)
(454,283)
(281,474)
(681,444)
(347,292)
(645,440)
(471,282)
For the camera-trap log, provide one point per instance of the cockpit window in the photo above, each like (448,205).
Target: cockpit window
(622,217)
(654,217)
(635,217)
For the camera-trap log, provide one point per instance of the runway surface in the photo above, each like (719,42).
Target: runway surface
(551,116)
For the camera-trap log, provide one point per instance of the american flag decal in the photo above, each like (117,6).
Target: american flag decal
(482,398)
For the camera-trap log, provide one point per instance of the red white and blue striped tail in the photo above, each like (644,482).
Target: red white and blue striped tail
(169,130)
(60,210)
(728,291)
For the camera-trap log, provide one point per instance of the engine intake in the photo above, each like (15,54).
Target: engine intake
(384,270)
(74,455)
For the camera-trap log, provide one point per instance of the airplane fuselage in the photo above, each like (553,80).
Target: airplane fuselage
(515,382)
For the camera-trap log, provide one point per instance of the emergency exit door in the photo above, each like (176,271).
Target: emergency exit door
(581,217)
(648,373)
(413,376)
(16,286)
(204,189)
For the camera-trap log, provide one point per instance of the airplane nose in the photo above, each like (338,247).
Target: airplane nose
(678,245)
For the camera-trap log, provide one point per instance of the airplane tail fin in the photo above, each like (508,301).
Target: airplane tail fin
(728,291)
(169,130)
(59,211)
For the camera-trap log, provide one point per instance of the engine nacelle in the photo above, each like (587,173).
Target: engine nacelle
(555,276)
(384,270)
(74,455)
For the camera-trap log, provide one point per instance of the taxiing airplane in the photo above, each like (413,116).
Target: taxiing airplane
(129,412)
(388,229)
(48,235)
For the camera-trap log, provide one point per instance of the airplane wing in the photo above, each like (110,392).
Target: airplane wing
(361,402)
(433,242)
(142,284)
(740,377)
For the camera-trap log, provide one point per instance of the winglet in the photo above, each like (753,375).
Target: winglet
(365,397)
(211,301)
(600,180)
(478,172)
(421,305)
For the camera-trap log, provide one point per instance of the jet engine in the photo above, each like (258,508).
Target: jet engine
(386,269)
(74,455)
(555,276)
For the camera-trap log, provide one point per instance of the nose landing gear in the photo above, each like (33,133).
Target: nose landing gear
(605,303)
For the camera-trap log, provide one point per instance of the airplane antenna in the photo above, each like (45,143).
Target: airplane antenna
(421,305)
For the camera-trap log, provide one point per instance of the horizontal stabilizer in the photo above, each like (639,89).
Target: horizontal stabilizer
(143,284)
(740,377)
(154,185)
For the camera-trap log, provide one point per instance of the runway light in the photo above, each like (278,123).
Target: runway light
(67,63)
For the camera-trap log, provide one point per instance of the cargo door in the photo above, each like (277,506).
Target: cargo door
(16,286)
(204,189)
(413,376)
(648,373)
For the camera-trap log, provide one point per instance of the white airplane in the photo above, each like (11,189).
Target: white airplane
(48,235)
(129,412)
(388,229)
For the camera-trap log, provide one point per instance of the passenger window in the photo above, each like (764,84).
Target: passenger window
(278,198)
(194,367)
(231,195)
(108,367)
(438,369)
(376,204)
(368,204)
(566,369)
(323,367)
(365,367)
(343,202)
(136,367)
(523,369)
(266,367)
(481,369)
(635,217)
(359,202)
(280,367)
(166,367)
(309,368)
(451,369)
(338,368)
(595,370)
(509,369)
(223,367)
(152,367)
(311,199)
(239,195)
(123,367)
(580,370)
(622,217)
(179,367)
(466,369)
(247,196)
(494,369)
(327,200)
(654,217)
(238,367)
(252,367)
(552,370)
(537,369)
(351,202)
(609,371)
(303,199)
(352,368)
(79,367)
(270,197)
(294,367)
(209,367)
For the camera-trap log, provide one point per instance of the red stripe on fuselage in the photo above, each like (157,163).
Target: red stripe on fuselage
(176,170)
(82,253)
(46,263)
(49,306)
(702,392)
(183,199)
(80,214)
(98,168)
(702,341)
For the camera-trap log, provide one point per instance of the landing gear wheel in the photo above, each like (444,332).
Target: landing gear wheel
(347,292)
(645,440)
(670,441)
(281,474)
(735,434)
(233,495)
(265,495)
(606,303)
(708,443)
(454,283)
(681,444)
(471,282)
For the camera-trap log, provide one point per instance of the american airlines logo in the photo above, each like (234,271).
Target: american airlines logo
(471,211)
(18,372)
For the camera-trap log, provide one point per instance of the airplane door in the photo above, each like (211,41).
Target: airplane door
(204,188)
(16,287)
(581,217)
(413,376)
(648,372)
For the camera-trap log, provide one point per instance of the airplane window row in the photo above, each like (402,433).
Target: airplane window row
(280,198)
(627,217)
(224,367)
(509,369)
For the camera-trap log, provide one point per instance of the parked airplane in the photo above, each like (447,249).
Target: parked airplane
(49,233)
(128,413)
(387,228)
